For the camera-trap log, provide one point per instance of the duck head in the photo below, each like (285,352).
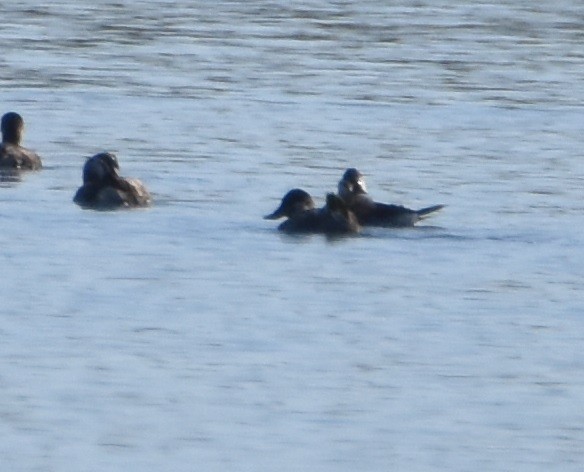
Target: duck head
(352,183)
(101,169)
(12,128)
(294,202)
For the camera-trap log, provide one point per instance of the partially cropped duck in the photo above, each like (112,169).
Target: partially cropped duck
(103,188)
(12,154)
(298,206)
(352,190)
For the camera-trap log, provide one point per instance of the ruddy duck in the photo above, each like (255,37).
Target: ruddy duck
(353,191)
(298,206)
(12,154)
(103,188)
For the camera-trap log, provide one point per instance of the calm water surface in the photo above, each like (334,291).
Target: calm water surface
(192,336)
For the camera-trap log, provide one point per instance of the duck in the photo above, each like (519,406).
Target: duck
(353,191)
(303,217)
(103,187)
(12,154)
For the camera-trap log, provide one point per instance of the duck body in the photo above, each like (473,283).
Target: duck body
(352,191)
(371,213)
(12,154)
(110,197)
(298,206)
(16,157)
(104,189)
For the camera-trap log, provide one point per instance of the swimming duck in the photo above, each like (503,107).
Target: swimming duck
(12,154)
(103,188)
(353,191)
(298,206)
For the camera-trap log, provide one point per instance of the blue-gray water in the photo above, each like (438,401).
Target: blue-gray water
(192,336)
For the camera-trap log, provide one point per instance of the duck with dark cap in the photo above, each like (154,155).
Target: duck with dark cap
(353,192)
(103,188)
(298,206)
(12,154)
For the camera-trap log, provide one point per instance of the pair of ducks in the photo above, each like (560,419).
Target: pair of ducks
(103,187)
(344,213)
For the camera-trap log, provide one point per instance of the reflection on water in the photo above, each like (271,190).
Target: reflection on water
(191,333)
(8,177)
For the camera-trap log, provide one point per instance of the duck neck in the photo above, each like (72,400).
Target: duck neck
(12,137)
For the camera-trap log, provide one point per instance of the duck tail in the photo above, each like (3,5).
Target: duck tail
(422,213)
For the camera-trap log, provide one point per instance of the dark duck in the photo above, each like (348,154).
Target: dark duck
(12,154)
(298,206)
(103,188)
(353,192)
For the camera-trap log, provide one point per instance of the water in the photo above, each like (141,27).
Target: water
(192,336)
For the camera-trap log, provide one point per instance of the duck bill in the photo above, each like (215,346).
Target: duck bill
(279,213)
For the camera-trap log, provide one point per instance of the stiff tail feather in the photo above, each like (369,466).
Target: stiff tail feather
(431,209)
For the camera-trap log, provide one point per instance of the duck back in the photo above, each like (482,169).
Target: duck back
(133,194)
(13,156)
